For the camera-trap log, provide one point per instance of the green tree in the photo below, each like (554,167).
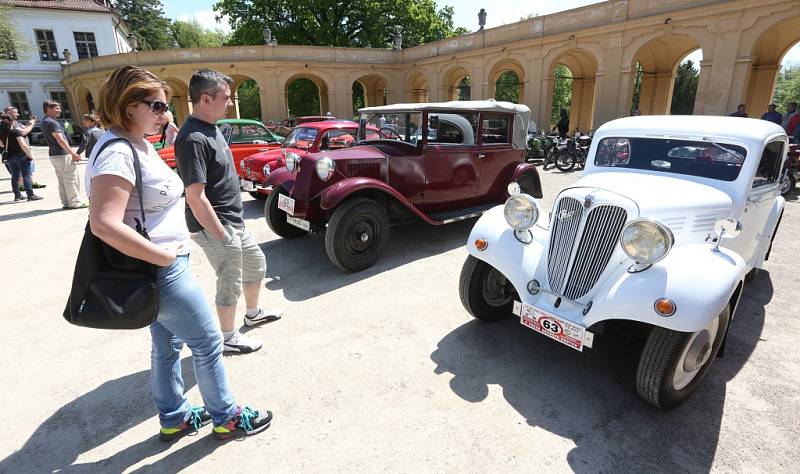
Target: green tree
(358,97)
(637,87)
(12,42)
(146,20)
(685,89)
(357,23)
(249,100)
(507,87)
(303,98)
(787,86)
(562,91)
(190,34)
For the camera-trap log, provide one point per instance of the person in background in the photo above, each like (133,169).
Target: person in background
(214,209)
(18,158)
(791,112)
(63,159)
(793,123)
(91,133)
(131,102)
(740,112)
(772,115)
(168,129)
(26,130)
(563,124)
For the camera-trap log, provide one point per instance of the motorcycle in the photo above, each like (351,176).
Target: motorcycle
(573,151)
(791,170)
(541,147)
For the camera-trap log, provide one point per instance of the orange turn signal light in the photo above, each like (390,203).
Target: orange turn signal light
(665,307)
(481,244)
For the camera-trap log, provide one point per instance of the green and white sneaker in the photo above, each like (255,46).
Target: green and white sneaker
(195,418)
(246,422)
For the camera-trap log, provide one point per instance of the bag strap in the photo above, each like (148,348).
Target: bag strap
(137,168)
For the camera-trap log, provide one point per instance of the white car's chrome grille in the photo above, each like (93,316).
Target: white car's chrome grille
(581,245)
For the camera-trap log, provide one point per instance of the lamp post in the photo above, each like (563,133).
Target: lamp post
(268,38)
(133,41)
(398,37)
(482,18)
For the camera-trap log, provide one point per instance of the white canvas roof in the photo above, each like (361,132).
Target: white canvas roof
(521,113)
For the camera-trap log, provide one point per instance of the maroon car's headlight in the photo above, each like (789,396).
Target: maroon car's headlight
(292,161)
(325,168)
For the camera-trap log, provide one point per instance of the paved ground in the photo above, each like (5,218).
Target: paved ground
(382,371)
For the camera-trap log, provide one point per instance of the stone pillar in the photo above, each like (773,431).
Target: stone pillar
(664,84)
(608,87)
(762,84)
(269,91)
(702,87)
(720,95)
(533,91)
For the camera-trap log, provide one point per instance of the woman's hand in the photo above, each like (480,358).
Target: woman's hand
(170,254)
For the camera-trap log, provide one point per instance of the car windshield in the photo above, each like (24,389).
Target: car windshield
(402,126)
(301,137)
(721,161)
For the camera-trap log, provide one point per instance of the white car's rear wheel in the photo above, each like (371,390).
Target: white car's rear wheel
(674,363)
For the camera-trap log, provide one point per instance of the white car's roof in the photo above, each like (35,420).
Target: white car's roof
(521,112)
(744,129)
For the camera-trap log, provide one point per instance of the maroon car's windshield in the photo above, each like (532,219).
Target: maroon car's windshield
(301,137)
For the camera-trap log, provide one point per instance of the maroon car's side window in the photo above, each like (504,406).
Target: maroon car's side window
(495,129)
(453,128)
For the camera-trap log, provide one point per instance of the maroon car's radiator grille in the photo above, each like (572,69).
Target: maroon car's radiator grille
(369,170)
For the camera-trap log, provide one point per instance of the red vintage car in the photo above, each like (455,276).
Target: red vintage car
(310,137)
(245,137)
(439,162)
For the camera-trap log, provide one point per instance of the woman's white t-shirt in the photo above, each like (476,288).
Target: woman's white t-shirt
(162,190)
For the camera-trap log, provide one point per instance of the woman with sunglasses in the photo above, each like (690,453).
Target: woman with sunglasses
(131,103)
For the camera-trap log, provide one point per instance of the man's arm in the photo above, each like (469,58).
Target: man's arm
(65,145)
(28,128)
(84,142)
(23,144)
(203,211)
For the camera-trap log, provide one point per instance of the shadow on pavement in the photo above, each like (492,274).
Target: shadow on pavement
(98,416)
(26,214)
(591,398)
(300,267)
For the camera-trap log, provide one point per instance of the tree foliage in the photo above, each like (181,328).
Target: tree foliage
(12,42)
(685,89)
(358,97)
(146,20)
(507,87)
(191,34)
(357,23)
(787,86)
(249,100)
(303,98)
(562,91)
(637,87)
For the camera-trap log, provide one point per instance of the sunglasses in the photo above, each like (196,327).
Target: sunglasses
(157,107)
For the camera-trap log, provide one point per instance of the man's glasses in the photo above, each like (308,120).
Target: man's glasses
(157,107)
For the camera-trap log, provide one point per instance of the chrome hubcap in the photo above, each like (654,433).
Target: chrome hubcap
(364,237)
(695,355)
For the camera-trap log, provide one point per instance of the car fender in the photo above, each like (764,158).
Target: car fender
(770,229)
(333,195)
(280,178)
(698,279)
(523,168)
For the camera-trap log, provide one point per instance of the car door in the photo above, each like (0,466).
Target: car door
(248,139)
(452,161)
(497,156)
(760,199)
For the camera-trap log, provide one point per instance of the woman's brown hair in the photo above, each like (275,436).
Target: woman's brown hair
(128,85)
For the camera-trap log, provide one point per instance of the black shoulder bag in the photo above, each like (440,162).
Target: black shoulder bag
(111,290)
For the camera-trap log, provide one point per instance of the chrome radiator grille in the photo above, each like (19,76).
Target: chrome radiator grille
(575,262)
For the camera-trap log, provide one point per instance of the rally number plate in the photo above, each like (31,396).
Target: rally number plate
(286,204)
(301,223)
(247,185)
(552,326)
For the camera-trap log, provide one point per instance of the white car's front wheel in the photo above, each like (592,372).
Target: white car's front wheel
(674,363)
(484,291)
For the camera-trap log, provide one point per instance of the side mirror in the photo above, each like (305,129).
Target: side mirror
(727,228)
(362,129)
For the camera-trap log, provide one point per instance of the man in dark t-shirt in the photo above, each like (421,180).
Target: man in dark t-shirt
(214,209)
(18,158)
(62,157)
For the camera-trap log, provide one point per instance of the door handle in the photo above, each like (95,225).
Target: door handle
(750,201)
(481,155)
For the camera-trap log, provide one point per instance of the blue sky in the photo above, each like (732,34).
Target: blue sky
(466,14)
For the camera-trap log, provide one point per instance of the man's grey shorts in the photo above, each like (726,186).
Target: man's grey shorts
(236,260)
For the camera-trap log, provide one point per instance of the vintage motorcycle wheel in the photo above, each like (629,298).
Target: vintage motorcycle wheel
(484,291)
(788,183)
(357,234)
(564,160)
(276,219)
(673,363)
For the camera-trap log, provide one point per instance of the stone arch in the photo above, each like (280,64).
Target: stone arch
(417,87)
(505,65)
(85,101)
(252,99)
(659,59)
(767,53)
(180,101)
(451,81)
(375,86)
(583,65)
(322,89)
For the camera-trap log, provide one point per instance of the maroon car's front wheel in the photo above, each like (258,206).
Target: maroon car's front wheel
(276,219)
(357,234)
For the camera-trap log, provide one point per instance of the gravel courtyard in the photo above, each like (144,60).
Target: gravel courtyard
(382,370)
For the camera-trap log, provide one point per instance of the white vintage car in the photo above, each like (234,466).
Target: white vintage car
(670,216)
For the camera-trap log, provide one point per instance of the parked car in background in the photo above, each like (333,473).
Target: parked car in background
(310,137)
(438,162)
(288,123)
(656,239)
(244,136)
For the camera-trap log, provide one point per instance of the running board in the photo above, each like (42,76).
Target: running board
(462,214)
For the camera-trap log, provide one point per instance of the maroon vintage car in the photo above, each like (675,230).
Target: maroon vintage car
(439,162)
(306,138)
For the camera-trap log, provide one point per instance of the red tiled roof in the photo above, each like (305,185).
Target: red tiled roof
(79,5)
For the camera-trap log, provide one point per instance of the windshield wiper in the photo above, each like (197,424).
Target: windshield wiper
(732,152)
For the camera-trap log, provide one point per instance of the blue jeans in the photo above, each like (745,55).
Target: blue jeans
(20,165)
(185,316)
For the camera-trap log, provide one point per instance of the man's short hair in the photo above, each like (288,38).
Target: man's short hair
(49,104)
(207,81)
(7,109)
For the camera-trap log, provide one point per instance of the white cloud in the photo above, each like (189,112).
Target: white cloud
(207,19)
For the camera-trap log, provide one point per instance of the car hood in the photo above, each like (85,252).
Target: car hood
(362,152)
(269,156)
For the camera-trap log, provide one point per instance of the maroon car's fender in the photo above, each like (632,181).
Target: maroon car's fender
(528,168)
(333,195)
(280,178)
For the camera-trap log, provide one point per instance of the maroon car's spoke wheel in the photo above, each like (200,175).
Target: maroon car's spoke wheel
(357,234)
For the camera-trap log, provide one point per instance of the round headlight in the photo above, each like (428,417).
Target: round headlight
(521,211)
(646,241)
(292,160)
(266,170)
(325,168)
